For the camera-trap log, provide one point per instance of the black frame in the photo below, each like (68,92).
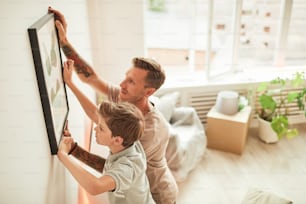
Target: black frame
(49,73)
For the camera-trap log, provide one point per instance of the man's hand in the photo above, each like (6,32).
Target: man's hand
(61,25)
(59,16)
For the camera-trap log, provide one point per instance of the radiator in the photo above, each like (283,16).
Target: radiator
(203,98)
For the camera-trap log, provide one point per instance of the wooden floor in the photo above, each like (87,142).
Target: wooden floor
(224,178)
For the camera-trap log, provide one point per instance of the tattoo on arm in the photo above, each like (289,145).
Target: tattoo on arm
(91,160)
(81,66)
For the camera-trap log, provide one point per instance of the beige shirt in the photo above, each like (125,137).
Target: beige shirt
(154,141)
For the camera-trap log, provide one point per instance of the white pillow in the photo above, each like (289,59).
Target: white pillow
(166,103)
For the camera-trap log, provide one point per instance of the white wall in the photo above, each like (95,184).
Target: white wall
(118,35)
(28,172)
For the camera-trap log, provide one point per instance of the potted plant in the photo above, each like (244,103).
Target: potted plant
(274,102)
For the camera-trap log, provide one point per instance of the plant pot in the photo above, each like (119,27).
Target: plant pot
(265,131)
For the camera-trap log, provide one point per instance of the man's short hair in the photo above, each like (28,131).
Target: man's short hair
(156,75)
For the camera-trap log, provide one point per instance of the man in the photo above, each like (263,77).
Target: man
(141,81)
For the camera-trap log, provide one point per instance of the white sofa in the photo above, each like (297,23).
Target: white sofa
(188,141)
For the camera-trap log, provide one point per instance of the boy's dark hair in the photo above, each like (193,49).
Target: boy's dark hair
(123,119)
(156,75)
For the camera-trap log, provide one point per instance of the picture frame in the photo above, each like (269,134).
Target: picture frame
(49,74)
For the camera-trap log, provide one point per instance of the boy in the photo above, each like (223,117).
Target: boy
(120,126)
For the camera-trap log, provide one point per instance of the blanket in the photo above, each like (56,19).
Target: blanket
(187,142)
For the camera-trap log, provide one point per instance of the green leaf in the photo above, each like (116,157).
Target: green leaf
(280,125)
(267,102)
(301,99)
(292,96)
(279,81)
(262,86)
(300,103)
(298,79)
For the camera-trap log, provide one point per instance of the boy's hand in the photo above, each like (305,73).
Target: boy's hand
(67,141)
(68,68)
(66,132)
(66,144)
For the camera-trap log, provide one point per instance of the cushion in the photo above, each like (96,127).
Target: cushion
(166,103)
(256,196)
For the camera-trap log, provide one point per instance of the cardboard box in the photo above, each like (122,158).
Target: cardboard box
(227,132)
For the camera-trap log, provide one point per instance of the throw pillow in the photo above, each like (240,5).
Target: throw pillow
(166,103)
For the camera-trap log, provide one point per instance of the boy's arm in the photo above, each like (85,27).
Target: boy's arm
(89,159)
(89,182)
(89,107)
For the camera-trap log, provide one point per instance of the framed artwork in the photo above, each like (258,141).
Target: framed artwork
(49,73)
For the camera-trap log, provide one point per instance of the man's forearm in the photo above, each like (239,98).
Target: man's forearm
(89,159)
(83,69)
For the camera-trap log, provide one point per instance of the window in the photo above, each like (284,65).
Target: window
(213,37)
(296,52)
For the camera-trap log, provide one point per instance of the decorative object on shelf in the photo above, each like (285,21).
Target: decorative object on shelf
(48,66)
(227,102)
(274,104)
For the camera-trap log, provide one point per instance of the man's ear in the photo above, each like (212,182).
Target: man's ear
(150,91)
(118,140)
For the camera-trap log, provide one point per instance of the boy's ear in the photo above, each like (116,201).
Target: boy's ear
(118,140)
